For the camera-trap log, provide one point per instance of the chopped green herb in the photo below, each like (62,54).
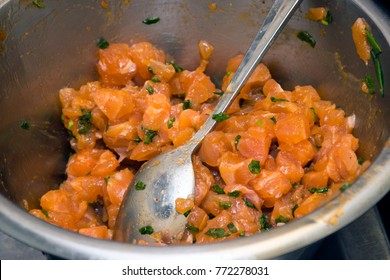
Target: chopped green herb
(178,69)
(150,89)
(293,210)
(44,212)
(186,104)
(374,44)
(231,227)
(236,140)
(274,99)
(318,190)
(307,37)
(273,119)
(38,4)
(25,125)
(146,230)
(155,79)
(345,186)
(102,43)
(106,179)
(259,123)
(379,72)
(370,84)
(139,186)
(85,121)
(234,194)
(264,224)
(220,117)
(151,20)
(254,167)
(294,184)
(217,233)
(170,122)
(150,69)
(181,95)
(249,203)
(187,213)
(328,19)
(137,140)
(218,189)
(229,73)
(314,113)
(361,160)
(219,93)
(192,228)
(281,219)
(149,135)
(70,124)
(241,234)
(225,204)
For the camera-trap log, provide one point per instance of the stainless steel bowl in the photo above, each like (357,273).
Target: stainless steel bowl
(43,50)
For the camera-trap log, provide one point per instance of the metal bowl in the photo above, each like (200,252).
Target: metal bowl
(43,50)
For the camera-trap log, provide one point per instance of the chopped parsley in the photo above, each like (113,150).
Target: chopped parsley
(249,203)
(225,204)
(345,186)
(102,43)
(314,113)
(293,210)
(220,117)
(149,135)
(155,79)
(241,234)
(264,224)
(217,233)
(106,179)
(151,20)
(259,123)
(229,73)
(319,190)
(328,18)
(192,228)
(146,230)
(273,119)
(236,140)
(254,167)
(85,121)
(186,104)
(150,89)
(44,212)
(361,160)
(219,93)
(170,122)
(139,186)
(307,37)
(137,140)
(187,213)
(150,69)
(231,227)
(178,69)
(218,189)
(234,194)
(274,99)
(369,80)
(25,125)
(281,219)
(38,4)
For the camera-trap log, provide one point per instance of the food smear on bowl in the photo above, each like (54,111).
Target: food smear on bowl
(275,156)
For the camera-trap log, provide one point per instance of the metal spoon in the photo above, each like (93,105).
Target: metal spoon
(170,175)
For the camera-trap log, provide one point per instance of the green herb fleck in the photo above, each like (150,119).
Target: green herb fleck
(225,204)
(38,4)
(25,125)
(192,228)
(241,234)
(328,19)
(234,194)
(345,186)
(231,227)
(139,186)
(137,140)
(293,210)
(274,99)
(217,233)
(281,219)
(170,122)
(259,123)
(249,203)
(218,189)
(294,184)
(150,89)
(187,213)
(151,20)
(106,179)
(146,230)
(44,212)
(220,117)
(314,114)
(186,104)
(379,72)
(374,44)
(150,69)
(236,140)
(370,84)
(219,93)
(155,79)
(85,121)
(264,224)
(181,95)
(307,37)
(178,69)
(361,160)
(149,135)
(273,119)
(318,190)
(254,167)
(229,73)
(102,43)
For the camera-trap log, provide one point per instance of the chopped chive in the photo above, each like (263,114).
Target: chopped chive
(137,140)
(361,160)
(328,18)
(264,224)
(155,79)
(281,219)
(219,93)
(151,20)
(187,104)
(187,213)
(259,123)
(273,119)
(294,185)
(217,233)
(38,4)
(218,189)
(85,121)
(150,69)
(231,227)
(225,204)
(44,212)
(236,140)
(318,190)
(241,234)
(139,186)
(149,135)
(314,113)
(307,37)
(249,203)
(345,186)
(170,122)
(293,210)
(106,179)
(274,99)
(370,84)
(25,125)
(229,73)
(150,89)
(254,167)
(102,43)
(378,71)
(192,228)
(234,194)
(177,68)
(220,117)
(374,44)
(146,230)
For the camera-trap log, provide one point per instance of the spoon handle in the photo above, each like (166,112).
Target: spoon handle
(277,18)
